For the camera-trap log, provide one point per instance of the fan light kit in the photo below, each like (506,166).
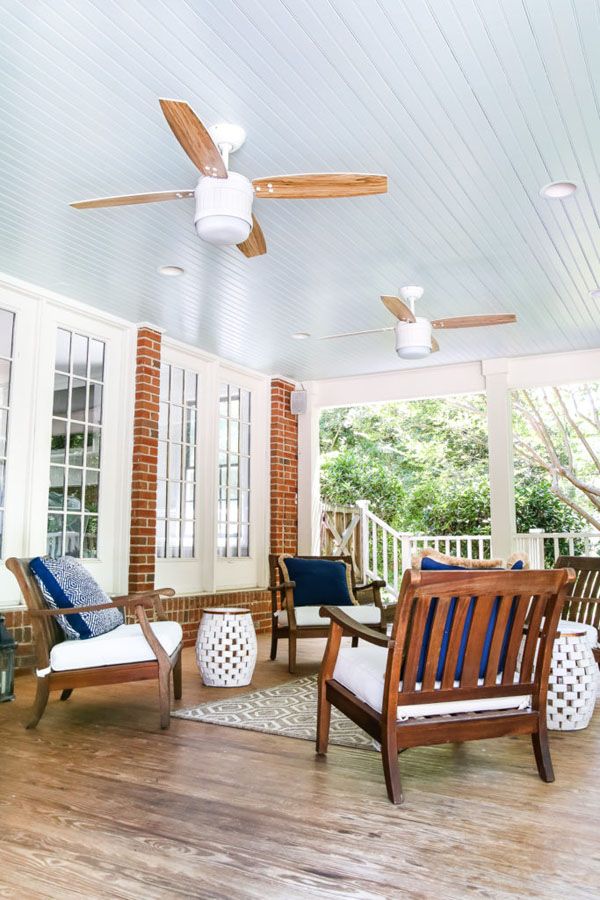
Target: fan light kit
(414,338)
(558,190)
(224,199)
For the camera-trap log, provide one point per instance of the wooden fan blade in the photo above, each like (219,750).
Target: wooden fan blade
(255,244)
(311,186)
(329,337)
(473,321)
(434,345)
(193,137)
(129,199)
(398,308)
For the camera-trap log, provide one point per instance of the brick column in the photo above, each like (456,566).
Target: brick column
(145,453)
(284,470)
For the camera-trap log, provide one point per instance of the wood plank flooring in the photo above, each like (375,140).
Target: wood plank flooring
(98,802)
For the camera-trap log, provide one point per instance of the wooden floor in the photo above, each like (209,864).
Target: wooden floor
(98,802)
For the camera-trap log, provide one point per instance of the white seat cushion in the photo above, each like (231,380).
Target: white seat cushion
(362,671)
(125,644)
(368,614)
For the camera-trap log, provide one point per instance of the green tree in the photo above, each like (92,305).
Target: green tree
(423,466)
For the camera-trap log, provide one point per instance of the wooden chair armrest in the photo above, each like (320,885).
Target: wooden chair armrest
(370,592)
(157,648)
(354,628)
(281,587)
(144,600)
(378,583)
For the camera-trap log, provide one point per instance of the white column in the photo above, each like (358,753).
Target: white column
(309,489)
(500,450)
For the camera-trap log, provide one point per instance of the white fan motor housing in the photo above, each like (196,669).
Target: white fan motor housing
(413,339)
(224,209)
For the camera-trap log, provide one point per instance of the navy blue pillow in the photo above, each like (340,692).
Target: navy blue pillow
(427,563)
(66,584)
(319,582)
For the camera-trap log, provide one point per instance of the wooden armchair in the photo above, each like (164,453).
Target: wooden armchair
(58,661)
(285,623)
(452,669)
(583,595)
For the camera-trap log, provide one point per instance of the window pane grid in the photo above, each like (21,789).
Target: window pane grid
(176,494)
(233,510)
(7,322)
(75,447)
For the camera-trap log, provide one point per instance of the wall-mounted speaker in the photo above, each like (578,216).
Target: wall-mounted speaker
(298,402)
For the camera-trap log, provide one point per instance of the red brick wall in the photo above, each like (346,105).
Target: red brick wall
(18,624)
(284,470)
(144,467)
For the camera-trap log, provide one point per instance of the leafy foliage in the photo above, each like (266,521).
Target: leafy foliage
(423,467)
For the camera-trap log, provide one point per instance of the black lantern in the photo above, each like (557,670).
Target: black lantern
(7,664)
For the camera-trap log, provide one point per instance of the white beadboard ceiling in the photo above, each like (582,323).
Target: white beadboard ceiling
(469,106)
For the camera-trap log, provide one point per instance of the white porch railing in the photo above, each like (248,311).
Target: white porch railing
(379,551)
(544,546)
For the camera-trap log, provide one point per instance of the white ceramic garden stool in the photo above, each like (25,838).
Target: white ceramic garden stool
(226,647)
(573,679)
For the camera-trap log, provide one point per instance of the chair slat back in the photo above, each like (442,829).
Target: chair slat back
(461,635)
(580,605)
(46,630)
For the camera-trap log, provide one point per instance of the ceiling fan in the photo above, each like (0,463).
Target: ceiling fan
(414,339)
(223,198)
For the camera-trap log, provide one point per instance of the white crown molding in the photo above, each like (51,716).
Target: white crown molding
(34,290)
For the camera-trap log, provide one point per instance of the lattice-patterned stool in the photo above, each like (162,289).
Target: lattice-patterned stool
(573,682)
(226,647)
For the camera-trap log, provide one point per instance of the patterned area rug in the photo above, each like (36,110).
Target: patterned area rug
(289,710)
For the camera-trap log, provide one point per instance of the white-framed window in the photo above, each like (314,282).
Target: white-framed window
(242,474)
(72,380)
(233,511)
(176,506)
(7,328)
(229,470)
(75,445)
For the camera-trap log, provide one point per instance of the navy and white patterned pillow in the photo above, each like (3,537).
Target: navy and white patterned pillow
(66,584)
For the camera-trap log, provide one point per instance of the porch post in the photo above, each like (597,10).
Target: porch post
(500,452)
(309,491)
(284,469)
(142,548)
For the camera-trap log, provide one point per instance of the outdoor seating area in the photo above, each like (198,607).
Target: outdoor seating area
(299,450)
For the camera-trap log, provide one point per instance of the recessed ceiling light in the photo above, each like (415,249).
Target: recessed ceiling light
(300,335)
(595,294)
(173,271)
(558,190)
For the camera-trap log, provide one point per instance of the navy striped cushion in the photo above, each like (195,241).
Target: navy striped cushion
(66,584)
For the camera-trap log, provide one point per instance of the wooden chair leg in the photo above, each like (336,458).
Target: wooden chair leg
(541,750)
(292,653)
(66,693)
(164,696)
(177,680)
(273,642)
(39,704)
(391,769)
(355,641)
(323,722)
